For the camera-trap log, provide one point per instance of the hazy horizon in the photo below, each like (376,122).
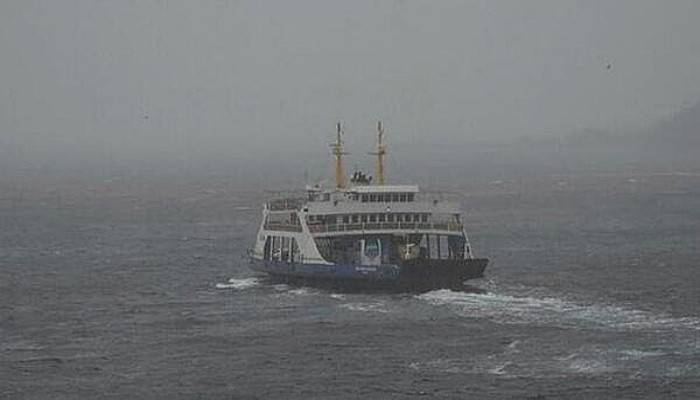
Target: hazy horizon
(216,82)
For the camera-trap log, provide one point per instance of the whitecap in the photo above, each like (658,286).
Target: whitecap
(239,284)
(499,369)
(299,291)
(639,354)
(365,307)
(512,346)
(589,366)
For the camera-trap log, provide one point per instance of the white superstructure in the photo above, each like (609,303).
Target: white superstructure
(336,226)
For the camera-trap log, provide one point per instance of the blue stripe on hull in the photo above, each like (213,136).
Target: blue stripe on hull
(378,273)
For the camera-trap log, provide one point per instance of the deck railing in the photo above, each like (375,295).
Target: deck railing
(285,204)
(284,227)
(367,226)
(374,226)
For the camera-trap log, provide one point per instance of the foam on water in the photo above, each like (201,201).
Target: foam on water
(499,369)
(283,290)
(589,366)
(239,284)
(512,346)
(300,291)
(640,354)
(460,366)
(554,311)
(365,307)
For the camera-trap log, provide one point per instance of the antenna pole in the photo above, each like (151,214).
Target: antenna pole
(337,148)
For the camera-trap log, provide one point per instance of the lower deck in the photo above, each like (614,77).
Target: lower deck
(369,249)
(411,275)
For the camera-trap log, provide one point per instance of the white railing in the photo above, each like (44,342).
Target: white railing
(281,226)
(375,226)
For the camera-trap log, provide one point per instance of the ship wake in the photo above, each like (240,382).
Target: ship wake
(554,311)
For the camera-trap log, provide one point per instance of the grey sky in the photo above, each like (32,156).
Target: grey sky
(199,78)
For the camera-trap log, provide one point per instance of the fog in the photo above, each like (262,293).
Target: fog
(109,86)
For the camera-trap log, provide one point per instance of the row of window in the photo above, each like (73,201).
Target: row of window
(358,218)
(369,197)
(386,197)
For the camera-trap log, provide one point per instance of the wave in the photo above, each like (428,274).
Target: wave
(239,284)
(554,311)
(300,291)
(366,307)
(589,366)
(499,369)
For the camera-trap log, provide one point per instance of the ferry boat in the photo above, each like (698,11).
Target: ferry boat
(364,233)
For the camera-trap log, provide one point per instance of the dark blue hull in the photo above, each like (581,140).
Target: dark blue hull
(416,275)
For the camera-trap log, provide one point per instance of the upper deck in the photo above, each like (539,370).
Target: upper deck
(359,206)
(377,209)
(367,199)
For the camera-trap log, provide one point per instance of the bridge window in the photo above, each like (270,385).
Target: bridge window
(380,198)
(424,218)
(390,218)
(399,218)
(364,218)
(395,197)
(365,198)
(373,218)
(355,219)
(382,217)
(346,219)
(372,197)
(402,198)
(410,197)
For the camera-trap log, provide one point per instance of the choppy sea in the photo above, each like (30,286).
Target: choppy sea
(136,289)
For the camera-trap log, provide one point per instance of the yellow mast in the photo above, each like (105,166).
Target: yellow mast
(380,153)
(338,152)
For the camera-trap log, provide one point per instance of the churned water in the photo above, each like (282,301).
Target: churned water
(127,290)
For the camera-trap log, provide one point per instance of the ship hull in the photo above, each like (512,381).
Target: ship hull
(416,275)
